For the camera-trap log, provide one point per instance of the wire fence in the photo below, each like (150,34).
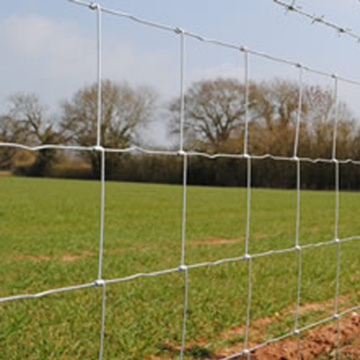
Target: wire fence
(246,256)
(316,19)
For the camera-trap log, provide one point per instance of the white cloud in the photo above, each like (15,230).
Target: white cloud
(45,56)
(61,46)
(54,58)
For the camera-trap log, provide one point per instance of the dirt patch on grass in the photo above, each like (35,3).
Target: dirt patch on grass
(5,173)
(317,343)
(215,241)
(321,341)
(33,258)
(74,257)
(68,257)
(221,241)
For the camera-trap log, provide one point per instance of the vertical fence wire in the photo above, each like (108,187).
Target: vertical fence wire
(247,91)
(338,258)
(246,149)
(298,302)
(99,148)
(248,310)
(248,205)
(100,282)
(102,329)
(183,267)
(182,87)
(184,208)
(248,198)
(336,222)
(99,73)
(336,115)
(298,199)
(299,111)
(183,331)
(102,212)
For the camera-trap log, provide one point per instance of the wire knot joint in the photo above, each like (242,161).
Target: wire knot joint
(98,148)
(183,268)
(94,6)
(99,282)
(179,31)
(318,19)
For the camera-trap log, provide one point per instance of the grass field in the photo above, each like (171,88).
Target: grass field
(49,238)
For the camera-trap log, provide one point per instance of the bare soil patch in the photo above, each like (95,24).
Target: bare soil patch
(68,257)
(74,257)
(221,241)
(318,343)
(33,258)
(321,341)
(215,241)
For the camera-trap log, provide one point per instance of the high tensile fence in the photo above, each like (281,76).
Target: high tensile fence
(181,36)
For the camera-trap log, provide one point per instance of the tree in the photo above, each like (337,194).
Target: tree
(214,113)
(319,124)
(10,132)
(277,103)
(215,118)
(275,111)
(28,122)
(124,111)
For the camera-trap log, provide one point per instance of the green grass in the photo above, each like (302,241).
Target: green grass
(49,239)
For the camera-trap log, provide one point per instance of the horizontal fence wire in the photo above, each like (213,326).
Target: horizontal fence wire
(149,151)
(184,267)
(233,46)
(181,268)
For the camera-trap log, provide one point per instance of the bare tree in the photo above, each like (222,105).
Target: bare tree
(214,113)
(124,111)
(28,122)
(214,118)
(276,109)
(10,132)
(319,123)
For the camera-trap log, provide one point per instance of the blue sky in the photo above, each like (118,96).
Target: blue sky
(48,47)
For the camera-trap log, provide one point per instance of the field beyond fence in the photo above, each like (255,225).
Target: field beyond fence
(49,239)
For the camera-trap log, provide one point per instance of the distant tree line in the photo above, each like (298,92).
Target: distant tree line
(214,123)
